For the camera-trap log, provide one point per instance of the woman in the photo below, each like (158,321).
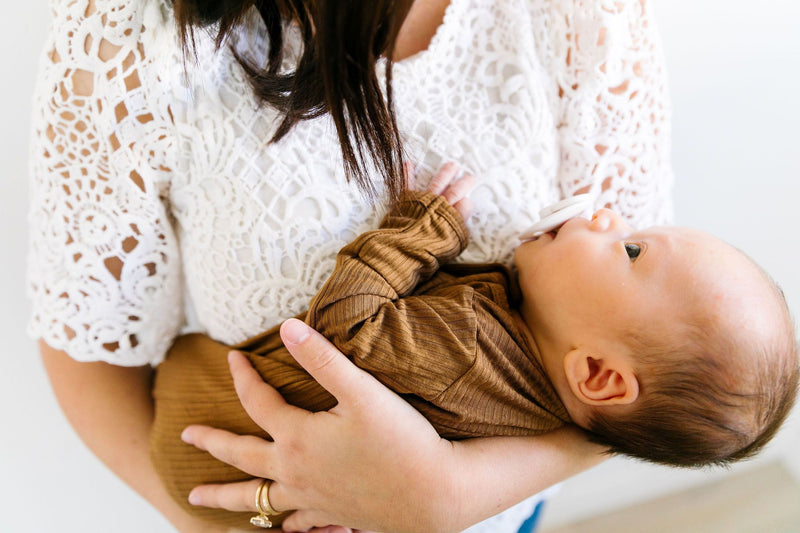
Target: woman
(159,199)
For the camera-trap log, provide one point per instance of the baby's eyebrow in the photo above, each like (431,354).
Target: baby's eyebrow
(654,245)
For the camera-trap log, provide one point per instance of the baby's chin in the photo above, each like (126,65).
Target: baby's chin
(531,255)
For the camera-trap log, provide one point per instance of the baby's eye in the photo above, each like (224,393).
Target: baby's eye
(633,250)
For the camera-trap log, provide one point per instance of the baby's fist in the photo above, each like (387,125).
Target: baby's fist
(455,191)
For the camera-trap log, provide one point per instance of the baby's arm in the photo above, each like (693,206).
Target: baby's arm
(366,309)
(417,236)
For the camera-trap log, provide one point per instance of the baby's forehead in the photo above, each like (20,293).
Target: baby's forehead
(695,262)
(693,248)
(724,283)
(717,287)
(683,233)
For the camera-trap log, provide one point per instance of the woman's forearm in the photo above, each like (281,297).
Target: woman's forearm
(111,409)
(492,474)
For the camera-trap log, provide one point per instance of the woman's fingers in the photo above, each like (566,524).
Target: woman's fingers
(263,403)
(240,497)
(236,497)
(246,452)
(306,520)
(331,466)
(326,364)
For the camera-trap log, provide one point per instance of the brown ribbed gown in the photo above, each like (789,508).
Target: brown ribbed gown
(444,338)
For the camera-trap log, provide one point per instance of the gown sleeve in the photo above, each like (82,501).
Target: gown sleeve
(413,344)
(613,109)
(103,264)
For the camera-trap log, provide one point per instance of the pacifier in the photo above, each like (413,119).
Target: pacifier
(554,215)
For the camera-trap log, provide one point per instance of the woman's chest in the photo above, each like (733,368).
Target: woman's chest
(260,224)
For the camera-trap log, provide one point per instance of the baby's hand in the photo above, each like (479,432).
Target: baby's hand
(444,183)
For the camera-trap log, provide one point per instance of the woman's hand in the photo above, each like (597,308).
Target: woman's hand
(371,462)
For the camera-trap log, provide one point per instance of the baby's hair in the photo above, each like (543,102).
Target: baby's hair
(706,397)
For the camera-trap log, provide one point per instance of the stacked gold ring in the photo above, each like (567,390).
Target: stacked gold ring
(265,509)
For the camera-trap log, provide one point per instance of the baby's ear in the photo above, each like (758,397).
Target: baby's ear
(597,379)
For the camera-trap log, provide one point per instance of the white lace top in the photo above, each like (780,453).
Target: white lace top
(169,178)
(157,203)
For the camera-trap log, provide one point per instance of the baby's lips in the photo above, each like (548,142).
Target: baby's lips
(532,233)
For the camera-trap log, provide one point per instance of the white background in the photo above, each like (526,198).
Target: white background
(735,79)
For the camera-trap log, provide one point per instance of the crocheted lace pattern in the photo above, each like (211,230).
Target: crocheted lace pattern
(157,204)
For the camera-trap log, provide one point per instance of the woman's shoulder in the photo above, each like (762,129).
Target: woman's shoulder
(91,30)
(119,14)
(114,51)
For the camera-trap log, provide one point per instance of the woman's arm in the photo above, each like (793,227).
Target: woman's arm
(510,469)
(104,269)
(111,410)
(372,461)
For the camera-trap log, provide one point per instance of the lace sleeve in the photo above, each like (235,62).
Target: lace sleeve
(103,264)
(614,128)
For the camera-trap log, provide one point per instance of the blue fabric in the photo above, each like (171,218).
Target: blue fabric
(529,525)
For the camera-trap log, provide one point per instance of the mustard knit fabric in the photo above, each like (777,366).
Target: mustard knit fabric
(443,336)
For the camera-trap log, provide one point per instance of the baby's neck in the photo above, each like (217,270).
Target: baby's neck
(530,338)
(553,365)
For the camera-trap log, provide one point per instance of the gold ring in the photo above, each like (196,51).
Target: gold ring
(262,519)
(263,499)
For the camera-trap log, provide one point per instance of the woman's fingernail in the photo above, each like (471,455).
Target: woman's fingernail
(194,498)
(187,437)
(294,331)
(232,354)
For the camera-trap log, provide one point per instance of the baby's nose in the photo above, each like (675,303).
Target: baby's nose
(605,220)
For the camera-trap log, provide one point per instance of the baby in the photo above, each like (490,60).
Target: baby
(665,344)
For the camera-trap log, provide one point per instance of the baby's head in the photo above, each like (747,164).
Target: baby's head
(667,344)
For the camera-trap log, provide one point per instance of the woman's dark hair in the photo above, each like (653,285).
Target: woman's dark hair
(336,74)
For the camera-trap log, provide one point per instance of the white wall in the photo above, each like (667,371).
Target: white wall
(735,77)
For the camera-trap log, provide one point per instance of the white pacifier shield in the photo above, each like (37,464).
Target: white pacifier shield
(566,202)
(554,215)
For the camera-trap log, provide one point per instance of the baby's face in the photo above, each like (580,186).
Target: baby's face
(601,277)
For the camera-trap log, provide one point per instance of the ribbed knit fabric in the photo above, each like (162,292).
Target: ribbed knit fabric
(443,337)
